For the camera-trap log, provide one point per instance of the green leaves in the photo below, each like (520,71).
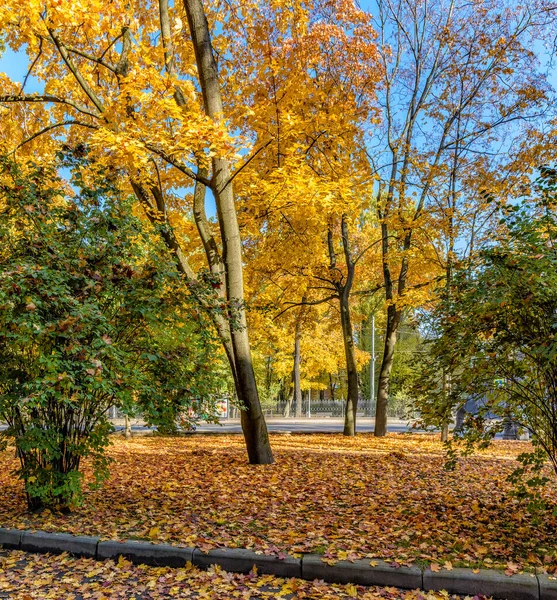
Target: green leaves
(497,327)
(93,315)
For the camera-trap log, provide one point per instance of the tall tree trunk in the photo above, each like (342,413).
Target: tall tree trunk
(253,421)
(393,321)
(351,368)
(445,424)
(287,406)
(296,375)
(285,395)
(346,323)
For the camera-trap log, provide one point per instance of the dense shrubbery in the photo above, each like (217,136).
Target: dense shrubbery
(92,314)
(497,336)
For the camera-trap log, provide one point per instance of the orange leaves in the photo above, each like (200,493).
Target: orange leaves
(199,491)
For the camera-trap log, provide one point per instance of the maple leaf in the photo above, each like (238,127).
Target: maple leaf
(511,569)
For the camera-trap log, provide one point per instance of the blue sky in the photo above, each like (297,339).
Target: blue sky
(15,65)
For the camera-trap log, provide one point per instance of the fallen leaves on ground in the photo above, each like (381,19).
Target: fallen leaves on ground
(28,576)
(346,498)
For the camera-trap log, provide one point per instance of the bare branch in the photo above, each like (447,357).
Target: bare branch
(83,54)
(210,246)
(76,73)
(367,248)
(51,127)
(32,66)
(178,164)
(305,303)
(30,98)
(123,66)
(156,216)
(238,171)
(112,44)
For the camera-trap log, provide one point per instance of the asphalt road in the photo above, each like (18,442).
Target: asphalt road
(317,425)
(303,425)
(275,425)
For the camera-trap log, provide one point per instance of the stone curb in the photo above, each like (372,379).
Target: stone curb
(10,538)
(57,543)
(310,566)
(361,572)
(240,560)
(486,582)
(548,587)
(156,555)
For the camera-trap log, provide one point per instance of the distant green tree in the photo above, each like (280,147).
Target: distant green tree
(405,365)
(495,335)
(92,314)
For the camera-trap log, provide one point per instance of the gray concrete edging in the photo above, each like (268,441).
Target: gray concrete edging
(468,582)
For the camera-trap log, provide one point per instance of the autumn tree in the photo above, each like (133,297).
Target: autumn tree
(297,350)
(120,85)
(460,83)
(309,185)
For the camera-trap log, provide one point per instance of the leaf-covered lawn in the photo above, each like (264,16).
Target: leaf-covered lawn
(28,577)
(364,497)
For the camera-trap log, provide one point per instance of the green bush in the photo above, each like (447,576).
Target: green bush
(93,314)
(496,337)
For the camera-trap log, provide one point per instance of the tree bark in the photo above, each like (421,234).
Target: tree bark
(344,290)
(393,321)
(351,368)
(287,406)
(296,375)
(253,421)
(445,432)
(332,387)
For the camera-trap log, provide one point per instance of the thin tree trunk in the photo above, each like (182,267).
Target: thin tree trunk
(445,432)
(351,368)
(445,425)
(296,374)
(287,407)
(346,323)
(253,421)
(210,246)
(285,395)
(393,321)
